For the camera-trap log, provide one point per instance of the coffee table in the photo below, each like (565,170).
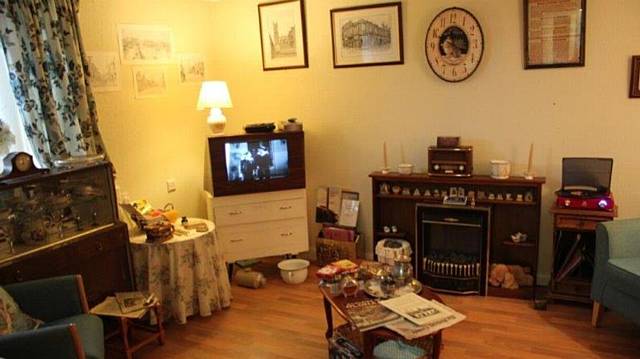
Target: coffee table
(371,337)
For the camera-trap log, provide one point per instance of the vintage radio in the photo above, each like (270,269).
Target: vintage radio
(451,161)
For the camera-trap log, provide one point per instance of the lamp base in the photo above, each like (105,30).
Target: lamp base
(217,122)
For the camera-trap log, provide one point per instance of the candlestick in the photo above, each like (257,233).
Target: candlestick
(529,174)
(385,169)
(402,153)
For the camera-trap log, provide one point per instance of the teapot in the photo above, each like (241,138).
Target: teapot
(402,270)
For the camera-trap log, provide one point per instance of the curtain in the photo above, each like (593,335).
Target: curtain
(49,77)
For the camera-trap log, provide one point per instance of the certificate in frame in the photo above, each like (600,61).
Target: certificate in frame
(554,33)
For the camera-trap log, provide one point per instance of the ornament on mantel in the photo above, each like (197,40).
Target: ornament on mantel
(7,139)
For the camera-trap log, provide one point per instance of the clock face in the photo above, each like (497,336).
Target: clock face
(23,162)
(454,44)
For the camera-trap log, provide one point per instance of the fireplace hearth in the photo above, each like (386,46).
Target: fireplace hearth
(453,247)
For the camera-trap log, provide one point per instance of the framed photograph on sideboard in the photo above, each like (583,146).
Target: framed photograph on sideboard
(283,35)
(368,35)
(554,33)
(634,88)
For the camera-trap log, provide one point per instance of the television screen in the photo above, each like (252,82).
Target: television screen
(256,160)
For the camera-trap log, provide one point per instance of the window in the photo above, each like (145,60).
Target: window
(9,112)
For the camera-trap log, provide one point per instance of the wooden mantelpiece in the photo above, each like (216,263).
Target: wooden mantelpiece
(507,216)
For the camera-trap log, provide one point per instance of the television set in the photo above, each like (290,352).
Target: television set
(257,162)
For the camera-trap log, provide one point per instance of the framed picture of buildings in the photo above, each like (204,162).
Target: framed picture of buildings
(283,35)
(554,33)
(367,35)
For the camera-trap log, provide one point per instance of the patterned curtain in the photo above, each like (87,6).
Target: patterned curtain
(49,77)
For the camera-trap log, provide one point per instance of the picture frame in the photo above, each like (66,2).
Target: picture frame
(379,42)
(282,52)
(191,68)
(104,69)
(634,87)
(545,46)
(149,81)
(145,44)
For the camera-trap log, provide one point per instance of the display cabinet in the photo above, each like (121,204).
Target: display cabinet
(64,221)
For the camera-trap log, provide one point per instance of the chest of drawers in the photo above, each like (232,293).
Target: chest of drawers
(262,224)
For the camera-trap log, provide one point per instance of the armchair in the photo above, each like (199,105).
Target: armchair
(616,279)
(68,332)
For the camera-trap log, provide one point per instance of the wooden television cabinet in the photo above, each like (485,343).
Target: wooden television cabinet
(507,217)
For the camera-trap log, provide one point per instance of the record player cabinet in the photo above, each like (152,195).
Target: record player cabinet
(506,217)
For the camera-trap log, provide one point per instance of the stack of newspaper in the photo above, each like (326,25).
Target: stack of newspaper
(420,316)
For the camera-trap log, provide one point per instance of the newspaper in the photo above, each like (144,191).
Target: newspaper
(110,307)
(422,316)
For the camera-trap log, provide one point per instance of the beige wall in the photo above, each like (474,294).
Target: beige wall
(348,113)
(152,140)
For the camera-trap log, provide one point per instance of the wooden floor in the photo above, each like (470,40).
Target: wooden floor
(285,321)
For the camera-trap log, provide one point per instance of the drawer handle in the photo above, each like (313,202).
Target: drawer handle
(451,220)
(18,276)
(235,213)
(286,234)
(285,207)
(236,240)
(99,246)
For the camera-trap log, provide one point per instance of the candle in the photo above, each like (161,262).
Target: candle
(402,153)
(384,153)
(529,169)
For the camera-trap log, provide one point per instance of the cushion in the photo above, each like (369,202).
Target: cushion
(395,349)
(12,319)
(90,330)
(624,274)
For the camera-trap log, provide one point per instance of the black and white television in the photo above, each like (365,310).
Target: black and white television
(262,162)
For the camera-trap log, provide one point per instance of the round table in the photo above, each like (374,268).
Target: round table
(187,273)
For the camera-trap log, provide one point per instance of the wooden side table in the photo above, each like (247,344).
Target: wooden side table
(371,337)
(574,252)
(128,344)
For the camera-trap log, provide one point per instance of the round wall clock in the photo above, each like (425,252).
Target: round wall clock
(454,44)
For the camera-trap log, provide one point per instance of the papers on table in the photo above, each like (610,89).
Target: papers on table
(110,307)
(421,316)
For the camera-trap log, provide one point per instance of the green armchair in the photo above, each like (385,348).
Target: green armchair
(616,279)
(68,332)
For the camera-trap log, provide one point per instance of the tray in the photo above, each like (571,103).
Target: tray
(372,289)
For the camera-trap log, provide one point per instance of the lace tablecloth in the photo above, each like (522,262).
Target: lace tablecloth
(187,273)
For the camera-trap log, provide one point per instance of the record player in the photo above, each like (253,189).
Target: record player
(586,184)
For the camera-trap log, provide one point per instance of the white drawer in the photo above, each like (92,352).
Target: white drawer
(244,213)
(260,212)
(264,239)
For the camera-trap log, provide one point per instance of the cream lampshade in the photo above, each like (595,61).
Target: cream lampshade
(215,95)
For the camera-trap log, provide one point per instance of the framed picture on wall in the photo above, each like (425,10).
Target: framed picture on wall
(283,35)
(554,33)
(367,35)
(634,88)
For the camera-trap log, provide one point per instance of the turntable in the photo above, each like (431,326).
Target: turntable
(586,184)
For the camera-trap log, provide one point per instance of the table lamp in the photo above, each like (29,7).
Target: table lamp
(215,95)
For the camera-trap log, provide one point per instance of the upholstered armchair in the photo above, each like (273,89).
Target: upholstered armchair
(68,330)
(616,280)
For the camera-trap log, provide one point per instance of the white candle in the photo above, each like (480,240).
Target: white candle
(384,153)
(530,165)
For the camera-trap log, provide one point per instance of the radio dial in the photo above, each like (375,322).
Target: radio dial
(567,203)
(436,167)
(461,168)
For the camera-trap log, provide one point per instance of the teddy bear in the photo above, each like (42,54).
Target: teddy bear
(509,276)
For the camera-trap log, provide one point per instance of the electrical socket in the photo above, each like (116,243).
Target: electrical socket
(171,185)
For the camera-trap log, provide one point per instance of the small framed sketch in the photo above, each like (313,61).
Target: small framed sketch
(634,88)
(191,68)
(145,44)
(149,81)
(367,35)
(554,33)
(283,35)
(104,69)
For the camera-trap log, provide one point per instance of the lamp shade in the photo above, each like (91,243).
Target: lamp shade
(214,94)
